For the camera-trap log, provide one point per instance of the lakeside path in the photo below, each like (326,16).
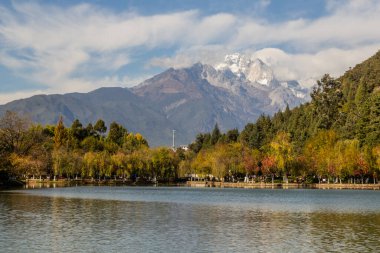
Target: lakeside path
(282,186)
(249,185)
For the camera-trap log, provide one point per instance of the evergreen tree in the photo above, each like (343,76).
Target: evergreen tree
(372,130)
(77,130)
(89,130)
(196,146)
(116,133)
(215,135)
(232,135)
(100,127)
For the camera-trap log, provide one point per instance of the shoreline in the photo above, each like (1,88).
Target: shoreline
(282,185)
(37,183)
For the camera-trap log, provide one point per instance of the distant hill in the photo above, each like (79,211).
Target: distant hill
(189,100)
(109,104)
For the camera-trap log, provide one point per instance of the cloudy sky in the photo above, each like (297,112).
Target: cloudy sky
(61,46)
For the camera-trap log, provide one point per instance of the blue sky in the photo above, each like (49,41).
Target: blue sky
(61,46)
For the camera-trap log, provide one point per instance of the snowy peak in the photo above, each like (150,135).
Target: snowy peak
(260,73)
(237,63)
(252,70)
(242,74)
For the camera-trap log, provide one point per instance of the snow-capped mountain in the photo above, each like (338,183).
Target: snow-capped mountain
(239,72)
(189,100)
(231,94)
(252,70)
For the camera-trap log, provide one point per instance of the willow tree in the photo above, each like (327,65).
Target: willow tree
(319,152)
(282,150)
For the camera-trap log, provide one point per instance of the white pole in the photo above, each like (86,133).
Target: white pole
(173,139)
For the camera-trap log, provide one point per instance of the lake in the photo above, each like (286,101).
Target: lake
(180,219)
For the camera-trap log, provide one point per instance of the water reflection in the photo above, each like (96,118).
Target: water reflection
(69,223)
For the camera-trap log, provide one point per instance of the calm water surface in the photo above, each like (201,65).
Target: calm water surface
(149,219)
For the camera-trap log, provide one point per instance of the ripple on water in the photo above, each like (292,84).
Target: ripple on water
(143,219)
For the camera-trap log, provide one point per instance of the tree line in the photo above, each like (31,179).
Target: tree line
(80,151)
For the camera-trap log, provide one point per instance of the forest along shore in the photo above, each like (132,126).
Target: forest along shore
(251,185)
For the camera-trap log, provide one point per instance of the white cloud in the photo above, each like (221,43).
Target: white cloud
(7,97)
(210,29)
(83,47)
(308,67)
(348,26)
(186,57)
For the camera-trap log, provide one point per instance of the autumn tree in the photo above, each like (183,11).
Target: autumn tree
(60,134)
(282,150)
(202,164)
(346,157)
(319,151)
(22,149)
(376,156)
(268,165)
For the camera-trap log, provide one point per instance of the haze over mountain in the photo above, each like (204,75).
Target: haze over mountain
(189,100)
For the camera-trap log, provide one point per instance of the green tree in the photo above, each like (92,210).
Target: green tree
(372,129)
(89,131)
(215,135)
(100,127)
(116,133)
(232,135)
(92,143)
(327,100)
(258,134)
